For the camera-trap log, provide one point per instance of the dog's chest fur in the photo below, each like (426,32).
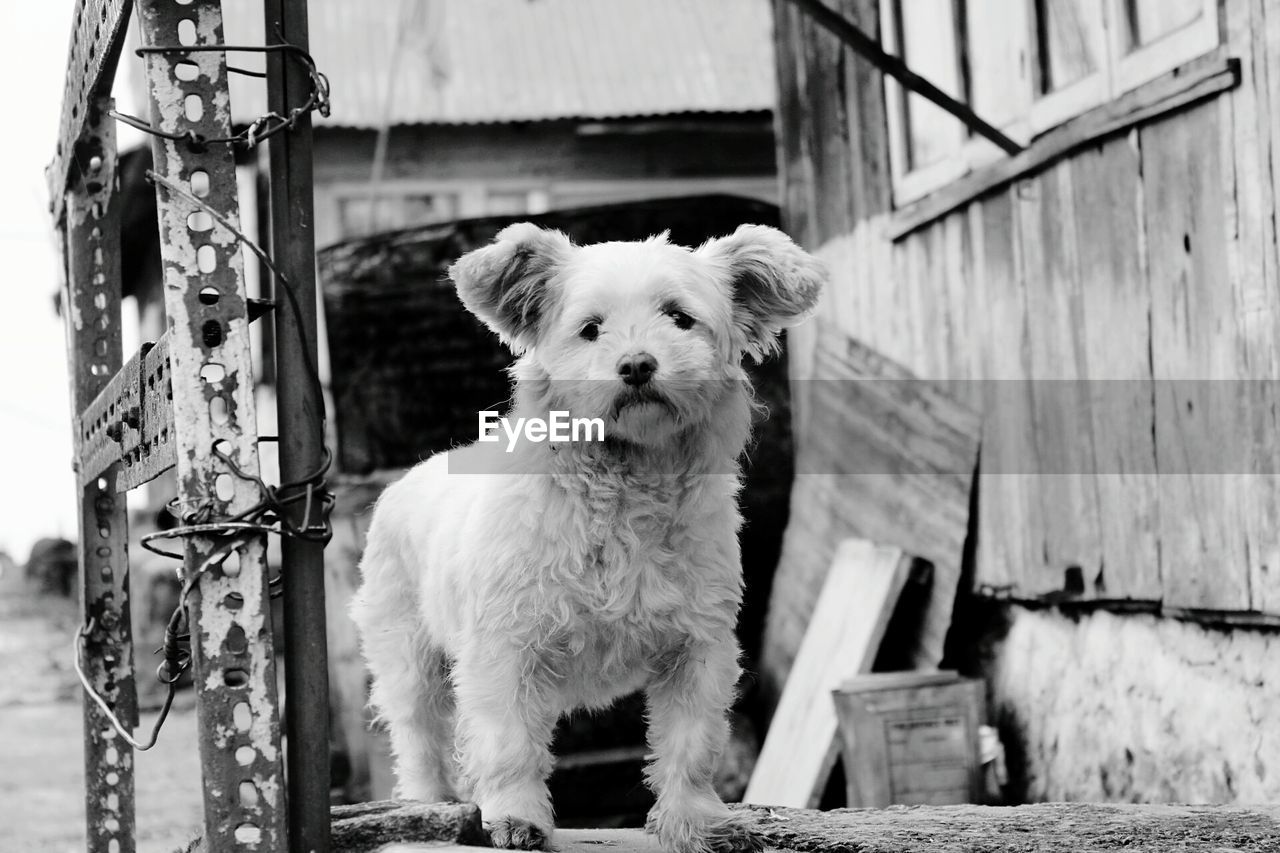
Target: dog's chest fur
(627,569)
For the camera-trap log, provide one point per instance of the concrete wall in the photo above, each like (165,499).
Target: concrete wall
(1111,707)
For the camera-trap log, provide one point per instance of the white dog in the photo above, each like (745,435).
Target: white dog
(502,590)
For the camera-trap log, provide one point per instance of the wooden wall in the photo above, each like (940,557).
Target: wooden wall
(1148,254)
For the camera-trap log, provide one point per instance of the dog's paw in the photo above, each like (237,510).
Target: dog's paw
(513,833)
(727,835)
(732,836)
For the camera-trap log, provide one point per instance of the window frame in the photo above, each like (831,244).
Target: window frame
(1122,71)
(1170,51)
(1053,108)
(913,183)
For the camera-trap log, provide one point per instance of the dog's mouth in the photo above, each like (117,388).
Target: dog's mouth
(640,398)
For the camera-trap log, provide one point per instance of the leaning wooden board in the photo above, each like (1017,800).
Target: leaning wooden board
(844,635)
(883,456)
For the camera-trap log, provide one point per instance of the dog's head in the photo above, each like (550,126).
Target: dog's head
(644,333)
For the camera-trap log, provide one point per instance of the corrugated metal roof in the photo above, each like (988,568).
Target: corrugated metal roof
(482,61)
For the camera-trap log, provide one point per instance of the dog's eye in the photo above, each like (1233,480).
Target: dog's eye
(590,332)
(681,319)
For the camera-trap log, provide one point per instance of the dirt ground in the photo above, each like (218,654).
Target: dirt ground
(41,787)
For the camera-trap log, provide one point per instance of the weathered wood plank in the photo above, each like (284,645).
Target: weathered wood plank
(1194,338)
(1044,828)
(886,457)
(368,827)
(900,293)
(1009,512)
(794,161)
(1115,303)
(871,181)
(1193,83)
(386,825)
(827,129)
(1254,268)
(962,351)
(858,597)
(1063,431)
(925,312)
(905,292)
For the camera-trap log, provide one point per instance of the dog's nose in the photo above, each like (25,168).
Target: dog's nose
(637,369)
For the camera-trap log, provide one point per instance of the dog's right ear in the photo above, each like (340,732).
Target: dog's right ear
(509,284)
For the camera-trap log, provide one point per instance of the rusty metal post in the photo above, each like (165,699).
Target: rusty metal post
(91,306)
(300,415)
(213,409)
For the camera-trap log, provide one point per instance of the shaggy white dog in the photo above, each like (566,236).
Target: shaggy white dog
(502,590)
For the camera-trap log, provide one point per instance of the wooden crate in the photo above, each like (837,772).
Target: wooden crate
(911,738)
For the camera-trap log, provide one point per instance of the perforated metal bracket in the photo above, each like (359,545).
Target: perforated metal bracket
(91,301)
(96,38)
(211,378)
(130,422)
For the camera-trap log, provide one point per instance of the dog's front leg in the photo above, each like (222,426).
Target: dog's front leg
(505,719)
(688,730)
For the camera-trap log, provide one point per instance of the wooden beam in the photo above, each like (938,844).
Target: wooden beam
(1174,91)
(372,827)
(1044,828)
(96,38)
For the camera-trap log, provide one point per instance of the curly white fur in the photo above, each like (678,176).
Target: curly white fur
(503,590)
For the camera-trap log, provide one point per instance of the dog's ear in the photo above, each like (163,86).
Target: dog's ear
(507,284)
(773,283)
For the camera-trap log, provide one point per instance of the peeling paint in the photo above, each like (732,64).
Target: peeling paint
(219,603)
(95,42)
(91,239)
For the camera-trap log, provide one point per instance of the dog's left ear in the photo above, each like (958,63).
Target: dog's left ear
(508,284)
(773,283)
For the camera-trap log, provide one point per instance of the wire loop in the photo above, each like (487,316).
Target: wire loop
(272,513)
(261,128)
(183,663)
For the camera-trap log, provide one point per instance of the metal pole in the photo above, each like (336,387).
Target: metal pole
(869,49)
(91,305)
(300,408)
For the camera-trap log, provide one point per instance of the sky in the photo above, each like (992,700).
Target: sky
(38,497)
